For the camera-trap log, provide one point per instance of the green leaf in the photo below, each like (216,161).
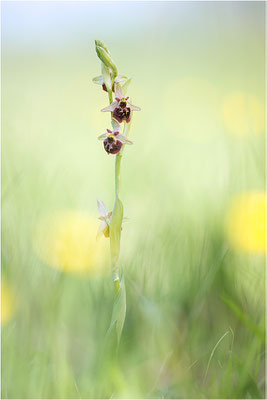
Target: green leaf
(246,382)
(119,307)
(119,311)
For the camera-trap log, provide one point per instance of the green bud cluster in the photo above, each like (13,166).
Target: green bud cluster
(104,55)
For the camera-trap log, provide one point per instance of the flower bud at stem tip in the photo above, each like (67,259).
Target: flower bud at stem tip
(101,44)
(104,56)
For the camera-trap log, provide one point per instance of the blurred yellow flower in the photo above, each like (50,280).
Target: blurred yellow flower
(246,222)
(243,114)
(67,241)
(8,303)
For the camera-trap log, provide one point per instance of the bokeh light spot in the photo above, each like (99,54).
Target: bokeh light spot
(67,241)
(243,114)
(246,222)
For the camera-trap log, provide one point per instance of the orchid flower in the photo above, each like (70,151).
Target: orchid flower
(120,79)
(104,218)
(113,140)
(121,108)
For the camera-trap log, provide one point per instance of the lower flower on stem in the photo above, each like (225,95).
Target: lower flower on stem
(113,140)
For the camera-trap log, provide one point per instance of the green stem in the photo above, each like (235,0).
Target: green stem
(117,175)
(114,264)
(110,98)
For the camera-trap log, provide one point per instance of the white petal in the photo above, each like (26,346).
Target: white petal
(133,108)
(102,208)
(103,225)
(123,139)
(99,80)
(116,125)
(111,107)
(102,137)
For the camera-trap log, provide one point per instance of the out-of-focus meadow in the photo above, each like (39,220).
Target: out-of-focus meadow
(192,187)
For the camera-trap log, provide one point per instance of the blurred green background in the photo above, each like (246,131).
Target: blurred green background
(192,187)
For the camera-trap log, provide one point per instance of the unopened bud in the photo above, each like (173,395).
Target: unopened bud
(101,44)
(106,59)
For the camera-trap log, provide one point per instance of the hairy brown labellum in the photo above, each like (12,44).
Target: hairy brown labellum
(122,113)
(112,146)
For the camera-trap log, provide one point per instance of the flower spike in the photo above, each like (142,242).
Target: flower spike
(114,140)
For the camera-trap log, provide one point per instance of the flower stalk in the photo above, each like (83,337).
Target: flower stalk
(114,142)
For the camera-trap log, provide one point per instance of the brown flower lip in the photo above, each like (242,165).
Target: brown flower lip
(111,145)
(122,113)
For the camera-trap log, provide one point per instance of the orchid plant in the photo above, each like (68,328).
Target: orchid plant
(114,141)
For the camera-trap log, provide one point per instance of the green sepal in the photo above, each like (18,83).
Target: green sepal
(98,80)
(124,87)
